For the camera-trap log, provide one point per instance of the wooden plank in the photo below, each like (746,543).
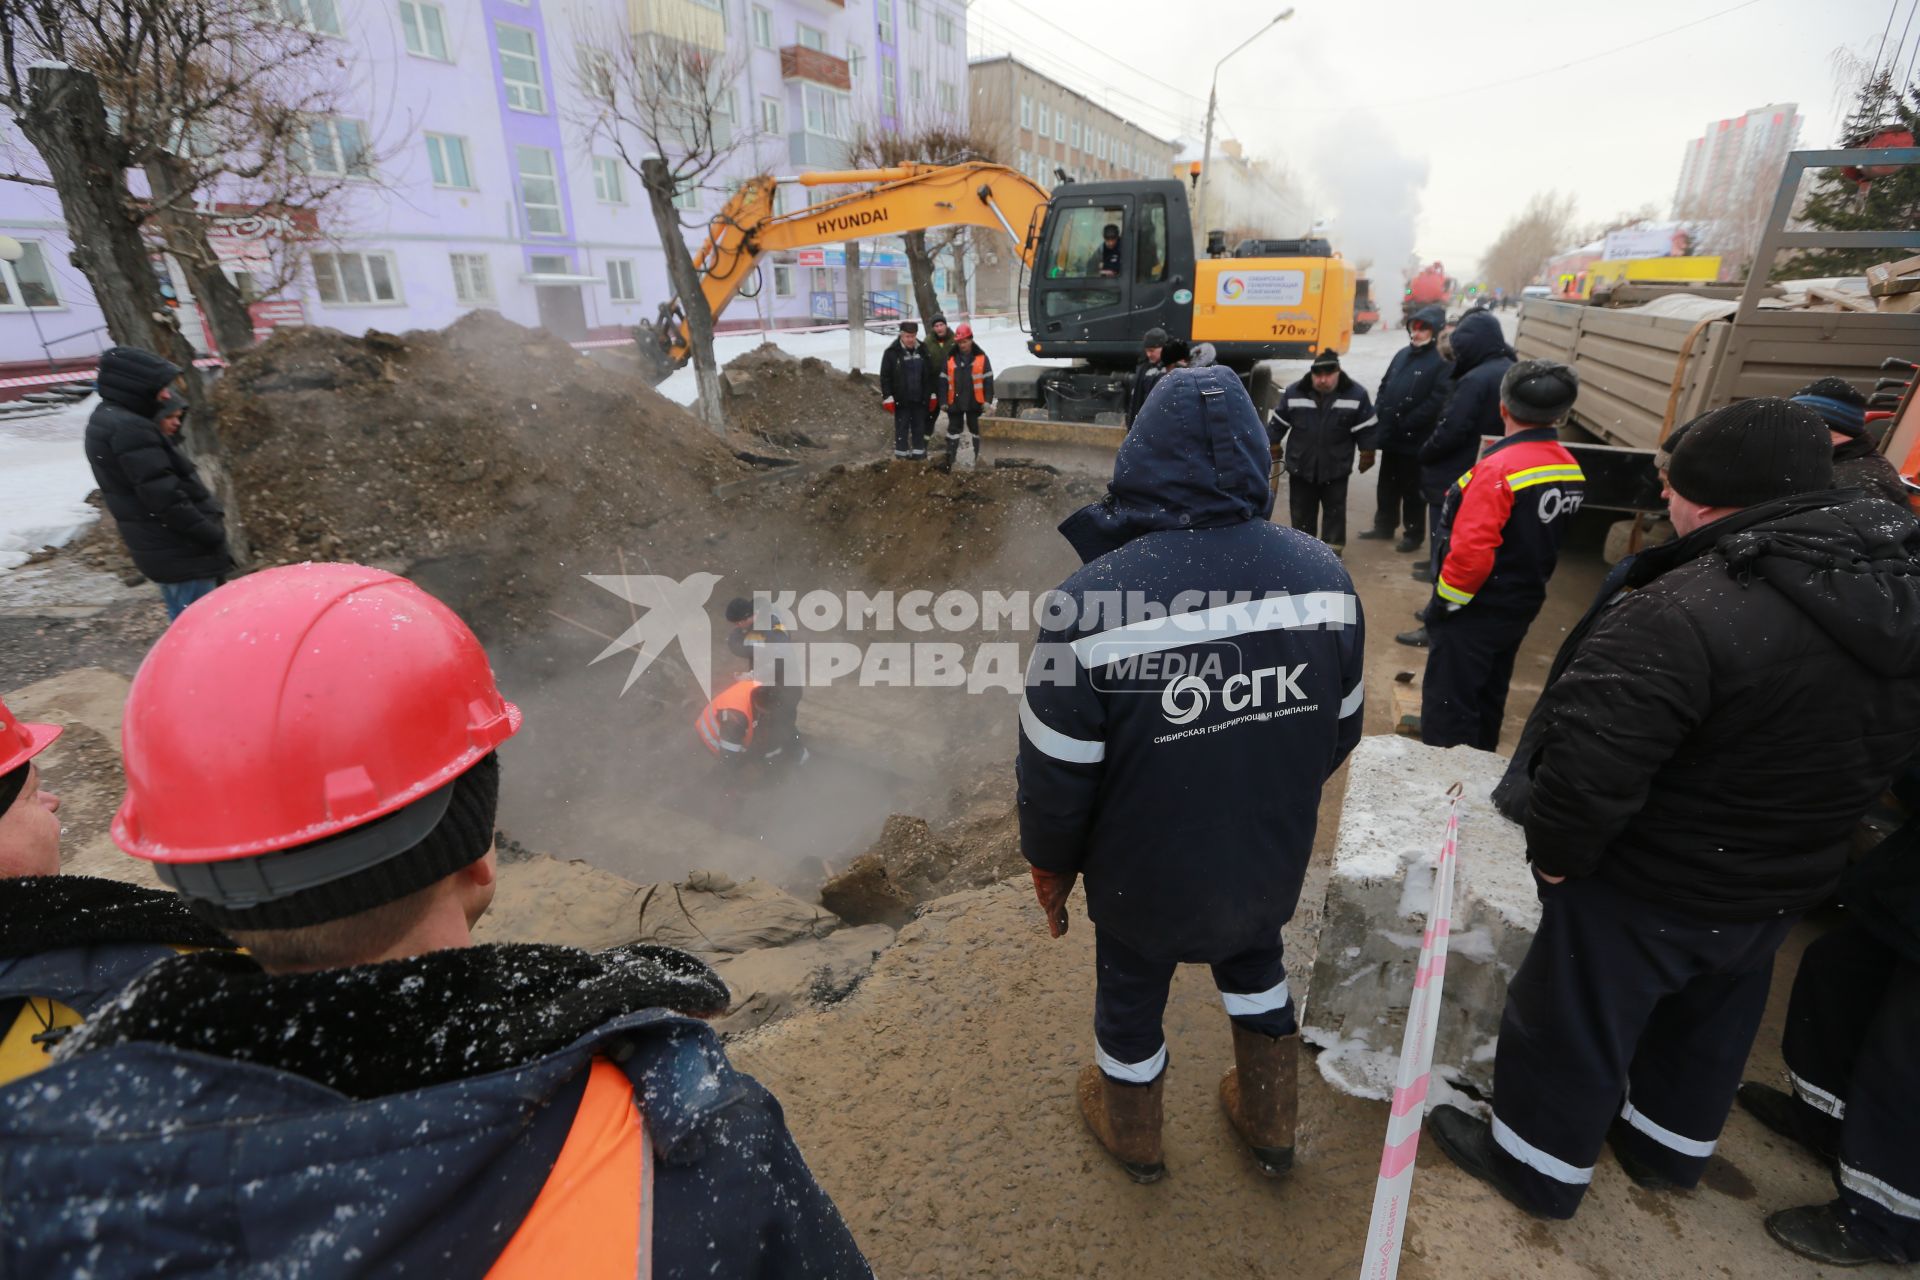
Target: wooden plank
(1088,433)
(1848,301)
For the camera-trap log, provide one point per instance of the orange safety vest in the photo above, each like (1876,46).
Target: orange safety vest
(593,1219)
(736,697)
(979,376)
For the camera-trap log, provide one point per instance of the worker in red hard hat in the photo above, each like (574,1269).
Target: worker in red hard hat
(966,388)
(67,943)
(311,760)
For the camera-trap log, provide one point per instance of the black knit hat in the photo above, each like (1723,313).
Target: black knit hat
(1325,362)
(909,326)
(1750,452)
(1154,337)
(1539,392)
(457,837)
(1838,403)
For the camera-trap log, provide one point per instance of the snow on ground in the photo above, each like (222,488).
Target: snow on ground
(44,481)
(1000,337)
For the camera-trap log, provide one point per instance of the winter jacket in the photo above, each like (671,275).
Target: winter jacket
(1177,762)
(67,943)
(1481,357)
(404,1119)
(968,382)
(907,376)
(1857,464)
(1413,392)
(1500,528)
(1322,431)
(1140,386)
(173,527)
(938,349)
(1720,729)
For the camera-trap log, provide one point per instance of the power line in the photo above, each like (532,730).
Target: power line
(1065,74)
(1084,43)
(1903,36)
(1892,11)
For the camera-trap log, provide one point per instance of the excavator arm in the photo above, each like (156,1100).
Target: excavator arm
(911,197)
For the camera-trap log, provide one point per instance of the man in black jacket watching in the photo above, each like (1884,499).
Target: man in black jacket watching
(1411,397)
(1702,762)
(909,387)
(174,529)
(1481,358)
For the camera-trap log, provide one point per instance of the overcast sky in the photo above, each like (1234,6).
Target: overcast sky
(1379,103)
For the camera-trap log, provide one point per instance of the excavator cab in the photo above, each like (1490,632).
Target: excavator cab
(1091,298)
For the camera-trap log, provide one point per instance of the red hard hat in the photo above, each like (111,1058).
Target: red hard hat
(20,741)
(964,331)
(295,704)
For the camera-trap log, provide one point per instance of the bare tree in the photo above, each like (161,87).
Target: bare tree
(937,142)
(663,104)
(1539,231)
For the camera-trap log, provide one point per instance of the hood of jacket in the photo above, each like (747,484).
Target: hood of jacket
(1196,458)
(43,913)
(131,378)
(374,1030)
(1476,340)
(1852,565)
(1433,315)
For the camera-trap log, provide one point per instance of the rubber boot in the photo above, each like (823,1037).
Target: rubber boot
(1823,1233)
(1260,1094)
(953,448)
(1791,1118)
(1126,1120)
(1375,535)
(1406,545)
(1468,1142)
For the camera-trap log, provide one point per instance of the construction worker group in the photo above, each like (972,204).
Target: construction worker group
(313,760)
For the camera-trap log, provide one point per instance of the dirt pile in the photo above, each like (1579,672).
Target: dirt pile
(492,448)
(912,863)
(803,404)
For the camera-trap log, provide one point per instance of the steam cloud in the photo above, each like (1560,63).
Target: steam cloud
(1374,189)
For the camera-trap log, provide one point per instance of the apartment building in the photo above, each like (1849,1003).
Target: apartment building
(472,182)
(1044,129)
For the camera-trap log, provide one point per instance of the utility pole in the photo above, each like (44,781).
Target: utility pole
(1206,147)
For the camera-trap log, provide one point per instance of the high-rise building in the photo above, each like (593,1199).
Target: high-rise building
(1042,128)
(1732,158)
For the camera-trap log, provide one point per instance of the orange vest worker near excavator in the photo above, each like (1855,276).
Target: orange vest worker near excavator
(751,721)
(310,761)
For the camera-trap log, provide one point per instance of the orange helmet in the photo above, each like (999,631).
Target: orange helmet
(296,704)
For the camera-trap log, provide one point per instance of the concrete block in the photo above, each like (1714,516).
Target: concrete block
(1378,895)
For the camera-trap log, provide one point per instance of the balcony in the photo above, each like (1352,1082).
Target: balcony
(797,62)
(695,22)
(817,151)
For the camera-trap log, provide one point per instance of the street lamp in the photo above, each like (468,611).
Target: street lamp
(1213,98)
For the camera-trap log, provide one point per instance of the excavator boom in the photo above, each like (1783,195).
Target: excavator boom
(910,197)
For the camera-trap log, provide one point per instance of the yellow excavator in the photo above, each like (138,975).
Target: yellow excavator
(1268,300)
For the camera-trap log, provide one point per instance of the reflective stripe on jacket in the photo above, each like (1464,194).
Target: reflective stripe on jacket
(950,379)
(736,697)
(1500,530)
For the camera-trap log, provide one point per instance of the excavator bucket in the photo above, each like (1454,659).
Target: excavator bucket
(650,344)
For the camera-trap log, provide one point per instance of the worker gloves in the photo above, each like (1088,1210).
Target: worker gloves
(887,404)
(1052,888)
(1366,460)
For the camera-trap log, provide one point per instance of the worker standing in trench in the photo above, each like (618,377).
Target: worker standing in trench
(1177,762)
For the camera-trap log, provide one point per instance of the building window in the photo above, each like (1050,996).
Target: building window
(916,85)
(1026,112)
(520,68)
(1042,109)
(472,279)
(949,98)
(549,264)
(312,15)
(1073,133)
(609,186)
(333,146)
(620,280)
(943,28)
(763,27)
(826,111)
(27,283)
(889,88)
(425,28)
(687,198)
(856,62)
(883,9)
(770,116)
(356,279)
(1059,126)
(783,276)
(812,38)
(447,157)
(539,191)
(913,15)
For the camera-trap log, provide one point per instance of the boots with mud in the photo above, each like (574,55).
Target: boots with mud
(1261,1098)
(1126,1120)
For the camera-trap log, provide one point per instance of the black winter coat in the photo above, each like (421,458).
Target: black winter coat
(1481,357)
(1180,767)
(172,525)
(907,377)
(1718,732)
(1322,431)
(1145,374)
(1858,465)
(1411,397)
(1882,892)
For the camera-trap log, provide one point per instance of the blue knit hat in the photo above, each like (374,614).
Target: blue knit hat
(1839,405)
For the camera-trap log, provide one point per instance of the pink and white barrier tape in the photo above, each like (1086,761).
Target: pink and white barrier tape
(1387,1231)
